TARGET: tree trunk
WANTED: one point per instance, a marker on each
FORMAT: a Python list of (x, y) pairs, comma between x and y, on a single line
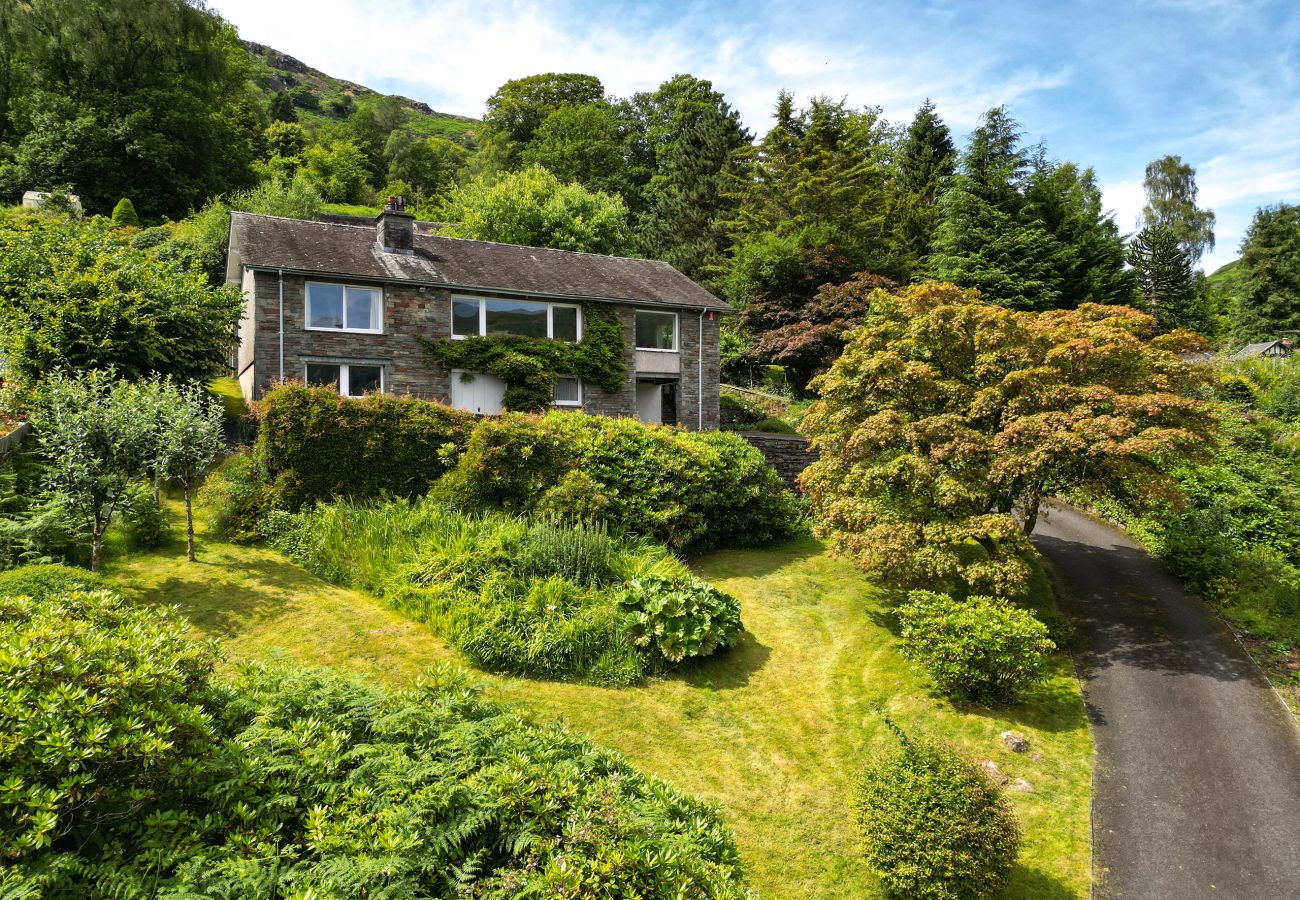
[(96, 538), (1032, 500), (157, 489), (189, 524)]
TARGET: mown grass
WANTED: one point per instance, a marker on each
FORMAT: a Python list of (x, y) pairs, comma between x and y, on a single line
[(231, 395), (775, 731)]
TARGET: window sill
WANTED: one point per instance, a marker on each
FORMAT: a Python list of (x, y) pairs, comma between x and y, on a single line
[(655, 350), (342, 330)]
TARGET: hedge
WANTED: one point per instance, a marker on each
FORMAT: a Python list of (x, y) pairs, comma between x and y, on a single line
[(686, 489), (315, 445)]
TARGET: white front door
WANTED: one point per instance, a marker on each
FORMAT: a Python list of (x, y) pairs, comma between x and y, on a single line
[(650, 403)]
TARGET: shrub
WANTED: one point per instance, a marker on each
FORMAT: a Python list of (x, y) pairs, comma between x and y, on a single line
[(145, 523), (980, 648), (933, 826), (235, 497), (315, 445), (739, 411), (131, 771), (687, 489), (677, 618), (540, 598), (124, 215), (46, 580), (102, 706)]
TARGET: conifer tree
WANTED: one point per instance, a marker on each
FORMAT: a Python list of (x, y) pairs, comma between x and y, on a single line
[(1270, 256), (926, 164), (1165, 279), (124, 214)]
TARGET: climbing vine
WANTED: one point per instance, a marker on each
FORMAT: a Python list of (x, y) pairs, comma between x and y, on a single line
[(529, 366)]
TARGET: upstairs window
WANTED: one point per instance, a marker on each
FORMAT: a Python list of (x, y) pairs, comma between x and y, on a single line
[(656, 330), (497, 316), (349, 379), (340, 307)]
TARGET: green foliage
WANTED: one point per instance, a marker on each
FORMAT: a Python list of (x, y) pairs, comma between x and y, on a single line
[(46, 580), (75, 295), (315, 445), (933, 826), (520, 106), (130, 768), (1170, 187), (236, 495), (103, 706), (124, 214), (1269, 302), (687, 489), (541, 598), (529, 366), (680, 618), (338, 172), (738, 410), (1026, 233), (977, 648), (145, 523), (947, 419), (1165, 279), (145, 99), (534, 208), (36, 526)]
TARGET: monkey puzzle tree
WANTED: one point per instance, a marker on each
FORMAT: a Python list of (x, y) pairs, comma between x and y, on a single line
[(948, 419)]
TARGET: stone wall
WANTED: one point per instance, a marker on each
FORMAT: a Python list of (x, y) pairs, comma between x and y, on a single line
[(412, 312), (787, 453)]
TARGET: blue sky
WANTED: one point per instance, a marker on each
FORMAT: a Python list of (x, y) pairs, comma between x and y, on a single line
[(1110, 85)]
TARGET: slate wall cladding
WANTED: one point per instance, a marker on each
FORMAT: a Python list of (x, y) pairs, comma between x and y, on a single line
[(787, 453), (411, 312)]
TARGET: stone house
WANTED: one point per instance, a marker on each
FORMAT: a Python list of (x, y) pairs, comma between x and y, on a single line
[(346, 304)]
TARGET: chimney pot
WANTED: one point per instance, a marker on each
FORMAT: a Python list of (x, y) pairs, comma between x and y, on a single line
[(395, 228)]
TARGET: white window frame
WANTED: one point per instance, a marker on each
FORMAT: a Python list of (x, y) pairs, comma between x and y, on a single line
[(677, 327), (343, 385), (306, 307), (577, 402), (482, 315)]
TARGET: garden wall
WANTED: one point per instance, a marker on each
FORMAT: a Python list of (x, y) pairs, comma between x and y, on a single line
[(14, 439), (787, 453)]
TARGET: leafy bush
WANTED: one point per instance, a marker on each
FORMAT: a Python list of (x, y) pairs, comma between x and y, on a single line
[(979, 648), (540, 598), (36, 526), (739, 411), (145, 523), (393, 446), (102, 705), (680, 617), (236, 496), (933, 826), (131, 771), (686, 489), (46, 580)]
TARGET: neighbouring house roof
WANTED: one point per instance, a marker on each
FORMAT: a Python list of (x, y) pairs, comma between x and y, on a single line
[(331, 249), (1263, 348)]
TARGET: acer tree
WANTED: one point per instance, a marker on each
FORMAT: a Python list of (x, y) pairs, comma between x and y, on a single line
[(948, 419)]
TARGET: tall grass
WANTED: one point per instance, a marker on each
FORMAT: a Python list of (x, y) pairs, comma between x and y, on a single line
[(515, 595)]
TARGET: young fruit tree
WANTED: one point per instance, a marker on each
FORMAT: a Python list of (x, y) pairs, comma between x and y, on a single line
[(189, 440), (95, 438), (947, 420)]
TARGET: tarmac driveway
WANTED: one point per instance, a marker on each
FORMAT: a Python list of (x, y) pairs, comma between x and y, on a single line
[(1197, 783)]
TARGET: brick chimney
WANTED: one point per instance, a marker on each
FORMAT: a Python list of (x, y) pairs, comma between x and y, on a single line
[(395, 227)]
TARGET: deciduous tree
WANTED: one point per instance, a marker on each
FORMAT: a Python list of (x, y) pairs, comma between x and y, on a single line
[(1170, 187), (948, 419)]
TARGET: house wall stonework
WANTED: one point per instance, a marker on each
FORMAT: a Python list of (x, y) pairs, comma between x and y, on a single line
[(412, 312)]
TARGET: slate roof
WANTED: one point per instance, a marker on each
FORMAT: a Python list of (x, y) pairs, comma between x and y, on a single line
[(1261, 349), (272, 242)]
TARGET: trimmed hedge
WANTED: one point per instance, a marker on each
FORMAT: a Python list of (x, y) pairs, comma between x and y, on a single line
[(315, 445), (686, 489), (933, 826)]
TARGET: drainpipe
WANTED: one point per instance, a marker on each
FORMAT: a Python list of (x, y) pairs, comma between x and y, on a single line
[(282, 326), (699, 377)]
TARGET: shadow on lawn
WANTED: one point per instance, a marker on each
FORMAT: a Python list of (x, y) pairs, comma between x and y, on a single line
[(1033, 884), (222, 606), (727, 670), (755, 562)]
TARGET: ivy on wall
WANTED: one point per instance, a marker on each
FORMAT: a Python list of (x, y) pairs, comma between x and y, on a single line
[(529, 366)]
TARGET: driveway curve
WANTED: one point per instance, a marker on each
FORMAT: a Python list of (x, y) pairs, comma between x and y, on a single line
[(1196, 791)]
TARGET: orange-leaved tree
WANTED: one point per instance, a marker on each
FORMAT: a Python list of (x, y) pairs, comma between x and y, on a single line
[(947, 420)]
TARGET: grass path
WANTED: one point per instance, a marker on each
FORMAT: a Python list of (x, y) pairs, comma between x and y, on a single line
[(774, 731)]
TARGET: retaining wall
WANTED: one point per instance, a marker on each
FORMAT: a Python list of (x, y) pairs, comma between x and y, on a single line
[(787, 453)]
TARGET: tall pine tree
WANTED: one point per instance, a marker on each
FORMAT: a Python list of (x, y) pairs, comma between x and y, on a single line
[(1270, 255), (926, 163)]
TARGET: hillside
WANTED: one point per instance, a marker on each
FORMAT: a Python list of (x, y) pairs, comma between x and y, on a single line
[(318, 97)]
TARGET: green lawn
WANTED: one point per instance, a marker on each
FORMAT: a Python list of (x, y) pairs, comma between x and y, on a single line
[(774, 731)]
